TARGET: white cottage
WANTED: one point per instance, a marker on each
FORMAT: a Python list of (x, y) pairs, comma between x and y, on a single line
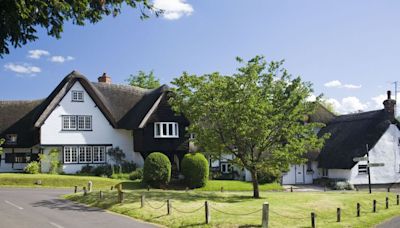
[(83, 120)]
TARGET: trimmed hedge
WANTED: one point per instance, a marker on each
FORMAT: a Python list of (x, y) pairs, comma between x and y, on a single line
[(157, 170), (195, 168)]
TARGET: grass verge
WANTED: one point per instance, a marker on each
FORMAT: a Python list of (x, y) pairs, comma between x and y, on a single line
[(228, 209)]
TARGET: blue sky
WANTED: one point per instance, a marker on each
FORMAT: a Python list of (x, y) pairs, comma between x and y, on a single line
[(349, 50)]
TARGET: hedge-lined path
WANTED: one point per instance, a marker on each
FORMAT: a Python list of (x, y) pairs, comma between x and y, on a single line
[(43, 208)]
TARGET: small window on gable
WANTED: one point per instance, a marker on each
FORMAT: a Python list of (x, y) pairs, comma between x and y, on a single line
[(11, 139), (77, 96), (362, 169), (166, 130)]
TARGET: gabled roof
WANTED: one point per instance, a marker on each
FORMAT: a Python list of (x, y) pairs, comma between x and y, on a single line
[(349, 136), (123, 106)]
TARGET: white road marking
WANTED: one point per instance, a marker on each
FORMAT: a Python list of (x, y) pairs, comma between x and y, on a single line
[(14, 205), (55, 225)]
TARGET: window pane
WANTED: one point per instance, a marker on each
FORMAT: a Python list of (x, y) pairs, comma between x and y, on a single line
[(164, 129), (102, 154), (88, 154), (72, 123), (81, 122), (157, 129), (81, 154), (96, 156), (176, 129), (65, 122), (170, 129), (88, 122)]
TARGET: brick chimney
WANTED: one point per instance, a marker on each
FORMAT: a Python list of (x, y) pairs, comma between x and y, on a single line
[(104, 78), (390, 106)]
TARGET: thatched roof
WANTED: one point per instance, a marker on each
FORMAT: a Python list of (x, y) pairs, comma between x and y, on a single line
[(123, 106), (349, 136)]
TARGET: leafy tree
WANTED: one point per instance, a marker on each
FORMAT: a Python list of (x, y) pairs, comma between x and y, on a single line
[(1, 143), (257, 114), (117, 155), (19, 19), (328, 105), (53, 159), (143, 80)]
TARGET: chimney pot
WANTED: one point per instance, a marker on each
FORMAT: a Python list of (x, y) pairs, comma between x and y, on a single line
[(390, 106), (389, 95), (104, 79)]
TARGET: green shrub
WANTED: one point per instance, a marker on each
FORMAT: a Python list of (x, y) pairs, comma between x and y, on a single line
[(86, 170), (32, 168), (103, 170), (195, 168), (53, 159), (268, 175), (136, 175), (157, 170)]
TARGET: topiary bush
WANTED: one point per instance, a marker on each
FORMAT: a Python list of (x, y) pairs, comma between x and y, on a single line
[(157, 170), (32, 168), (195, 168)]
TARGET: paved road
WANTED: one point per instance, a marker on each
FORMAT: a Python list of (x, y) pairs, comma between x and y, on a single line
[(42, 208), (393, 223)]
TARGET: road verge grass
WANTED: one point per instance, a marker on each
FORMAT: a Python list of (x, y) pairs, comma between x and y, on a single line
[(229, 209)]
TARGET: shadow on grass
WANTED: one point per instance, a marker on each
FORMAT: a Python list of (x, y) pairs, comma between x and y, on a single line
[(249, 226)]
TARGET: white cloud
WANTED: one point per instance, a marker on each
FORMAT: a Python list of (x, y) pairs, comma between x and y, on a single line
[(37, 53), (22, 68), (347, 105), (334, 83), (351, 86), (174, 9), (60, 59), (338, 84)]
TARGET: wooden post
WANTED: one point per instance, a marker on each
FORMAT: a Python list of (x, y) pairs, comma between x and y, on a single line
[(338, 214), (388, 189), (120, 196), (265, 216), (142, 201), (398, 199), (291, 188), (75, 189), (358, 209), (222, 189), (207, 210), (112, 187), (312, 220), (84, 191), (374, 206), (101, 196), (387, 202), (90, 186), (168, 207), (148, 187)]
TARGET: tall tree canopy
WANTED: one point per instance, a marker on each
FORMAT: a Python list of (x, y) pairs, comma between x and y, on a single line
[(257, 114), (19, 19), (144, 80)]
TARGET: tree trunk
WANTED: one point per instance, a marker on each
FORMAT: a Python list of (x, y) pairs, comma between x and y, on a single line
[(254, 177)]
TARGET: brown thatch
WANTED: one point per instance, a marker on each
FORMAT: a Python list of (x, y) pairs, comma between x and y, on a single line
[(349, 136)]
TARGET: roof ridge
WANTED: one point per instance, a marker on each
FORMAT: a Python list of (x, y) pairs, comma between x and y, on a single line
[(20, 101)]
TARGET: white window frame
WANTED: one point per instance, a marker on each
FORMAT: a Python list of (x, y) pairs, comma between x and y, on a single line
[(85, 154), (363, 169), (325, 172), (69, 156), (99, 154), (73, 122), (226, 168), (166, 130), (77, 96)]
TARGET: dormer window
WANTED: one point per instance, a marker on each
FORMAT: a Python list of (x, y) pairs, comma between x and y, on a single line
[(11, 139), (166, 130), (77, 96)]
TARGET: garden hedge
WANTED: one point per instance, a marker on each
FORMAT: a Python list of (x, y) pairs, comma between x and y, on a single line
[(195, 168), (157, 170)]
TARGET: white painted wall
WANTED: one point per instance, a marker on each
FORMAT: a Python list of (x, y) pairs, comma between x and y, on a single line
[(18, 167), (308, 177), (102, 131)]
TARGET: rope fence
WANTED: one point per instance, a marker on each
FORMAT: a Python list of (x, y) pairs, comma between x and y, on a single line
[(358, 211)]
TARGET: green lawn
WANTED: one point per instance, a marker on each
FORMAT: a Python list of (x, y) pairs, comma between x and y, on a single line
[(228, 185), (57, 181), (287, 209)]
